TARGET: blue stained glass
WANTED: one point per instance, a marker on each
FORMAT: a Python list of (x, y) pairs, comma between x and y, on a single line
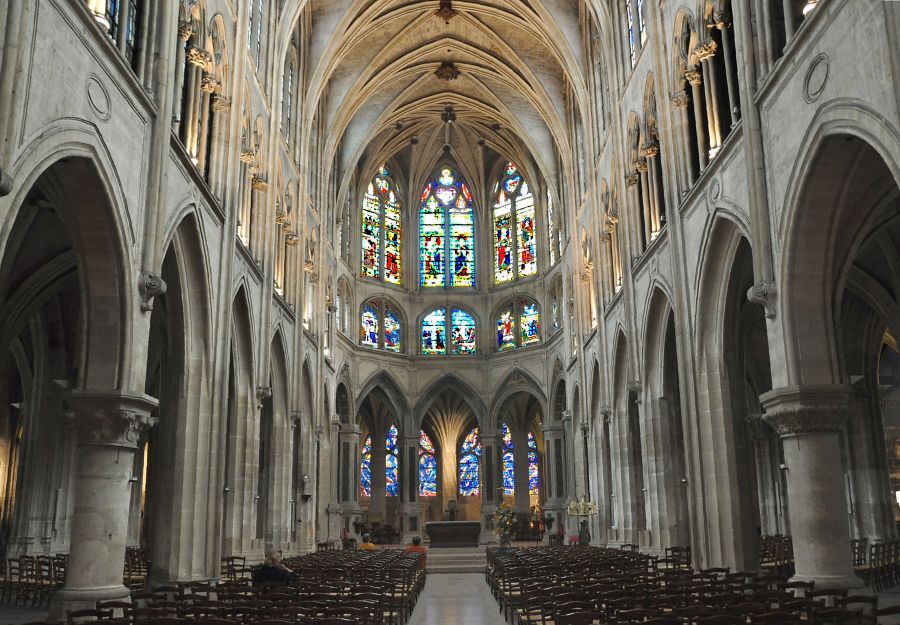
[(446, 233), (368, 332), (506, 333), (365, 469), (391, 330), (427, 466), (529, 323), (463, 332), (469, 459), (434, 333), (532, 465), (509, 465), (391, 466)]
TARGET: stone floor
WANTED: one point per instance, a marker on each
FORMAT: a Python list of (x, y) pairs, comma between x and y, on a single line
[(456, 599)]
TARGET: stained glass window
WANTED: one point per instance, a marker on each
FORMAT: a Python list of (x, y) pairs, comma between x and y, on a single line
[(434, 333), (509, 464), (391, 330), (551, 227), (446, 233), (515, 245), (518, 325), (629, 17), (369, 330), (529, 323), (469, 459), (532, 465), (376, 311), (458, 328), (381, 230), (365, 469), (463, 332), (506, 334), (391, 465), (427, 466)]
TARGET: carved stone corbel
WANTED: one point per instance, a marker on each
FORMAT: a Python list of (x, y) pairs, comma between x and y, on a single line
[(150, 287), (632, 179), (766, 295), (634, 386), (262, 394), (679, 98)]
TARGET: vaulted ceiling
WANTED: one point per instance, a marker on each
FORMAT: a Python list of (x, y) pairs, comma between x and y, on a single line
[(400, 80)]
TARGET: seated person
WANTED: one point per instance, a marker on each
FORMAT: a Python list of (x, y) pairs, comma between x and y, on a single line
[(416, 547), (367, 544), (273, 572)]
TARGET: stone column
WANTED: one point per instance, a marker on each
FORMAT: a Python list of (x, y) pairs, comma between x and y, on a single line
[(695, 78), (208, 86), (410, 513), (334, 509), (680, 101), (642, 168), (520, 469), (789, 28), (491, 486), (649, 151), (730, 78), (185, 30), (633, 200), (109, 425), (554, 478), (809, 420), (706, 52)]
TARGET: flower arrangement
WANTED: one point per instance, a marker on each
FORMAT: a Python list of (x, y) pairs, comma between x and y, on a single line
[(504, 521)]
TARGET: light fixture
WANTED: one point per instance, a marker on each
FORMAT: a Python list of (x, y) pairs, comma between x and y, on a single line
[(713, 152), (195, 160), (809, 7)]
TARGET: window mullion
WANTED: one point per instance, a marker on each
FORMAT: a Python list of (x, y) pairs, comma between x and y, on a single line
[(514, 231)]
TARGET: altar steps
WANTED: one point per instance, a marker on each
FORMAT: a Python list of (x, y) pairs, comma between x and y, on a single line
[(449, 560)]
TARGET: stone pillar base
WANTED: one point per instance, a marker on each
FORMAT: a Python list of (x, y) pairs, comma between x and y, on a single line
[(68, 599)]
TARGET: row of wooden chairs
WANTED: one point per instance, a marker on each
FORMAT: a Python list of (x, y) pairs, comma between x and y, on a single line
[(332, 588), (882, 569), (590, 586), (32, 579)]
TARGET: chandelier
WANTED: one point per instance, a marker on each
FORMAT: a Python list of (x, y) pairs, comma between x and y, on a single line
[(582, 507)]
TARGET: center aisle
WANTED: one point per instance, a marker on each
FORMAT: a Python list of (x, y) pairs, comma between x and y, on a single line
[(456, 599)]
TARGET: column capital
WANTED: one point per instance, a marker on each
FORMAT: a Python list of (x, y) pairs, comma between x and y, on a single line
[(679, 98), (185, 30), (759, 428), (220, 103), (706, 49), (110, 418), (632, 178), (198, 56), (566, 416), (650, 149), (641, 165), (794, 410), (694, 77)]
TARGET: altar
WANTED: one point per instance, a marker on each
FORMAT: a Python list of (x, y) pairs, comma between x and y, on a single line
[(453, 533)]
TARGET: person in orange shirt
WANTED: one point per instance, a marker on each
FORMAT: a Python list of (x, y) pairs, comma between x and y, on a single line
[(367, 544), (416, 547)]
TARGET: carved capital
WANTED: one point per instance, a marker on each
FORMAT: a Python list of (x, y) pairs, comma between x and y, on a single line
[(650, 149), (314, 277), (150, 287), (110, 418), (759, 428), (606, 235), (720, 20), (634, 386), (185, 30), (296, 416), (292, 239), (605, 412), (209, 83), (632, 179), (220, 103), (198, 56), (248, 156), (641, 165), (679, 98), (706, 49), (566, 415), (280, 216), (309, 266), (801, 410), (262, 394), (259, 183), (766, 295), (694, 76)]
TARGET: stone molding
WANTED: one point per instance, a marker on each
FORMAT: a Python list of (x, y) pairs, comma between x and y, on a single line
[(797, 410), (765, 294), (110, 418)]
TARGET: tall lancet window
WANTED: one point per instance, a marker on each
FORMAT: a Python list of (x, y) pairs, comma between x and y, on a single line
[(446, 233), (533, 488), (427, 466), (469, 460), (391, 464), (381, 230), (514, 228), (509, 463)]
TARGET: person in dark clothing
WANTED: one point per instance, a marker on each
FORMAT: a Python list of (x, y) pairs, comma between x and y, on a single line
[(273, 572)]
